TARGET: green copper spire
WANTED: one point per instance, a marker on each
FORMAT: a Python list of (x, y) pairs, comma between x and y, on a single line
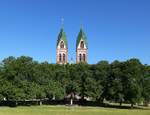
[(62, 36), (82, 36)]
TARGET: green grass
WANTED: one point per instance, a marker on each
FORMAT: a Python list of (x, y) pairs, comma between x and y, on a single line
[(64, 110)]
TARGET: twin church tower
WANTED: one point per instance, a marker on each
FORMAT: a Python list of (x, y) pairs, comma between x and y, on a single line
[(62, 48)]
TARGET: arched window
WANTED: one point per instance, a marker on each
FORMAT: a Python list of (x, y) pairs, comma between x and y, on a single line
[(82, 44), (80, 57), (84, 57), (60, 57), (64, 57), (61, 44)]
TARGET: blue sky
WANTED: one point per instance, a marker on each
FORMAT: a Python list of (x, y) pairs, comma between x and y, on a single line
[(116, 29)]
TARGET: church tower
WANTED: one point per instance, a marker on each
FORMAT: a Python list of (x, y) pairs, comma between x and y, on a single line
[(62, 48), (81, 47)]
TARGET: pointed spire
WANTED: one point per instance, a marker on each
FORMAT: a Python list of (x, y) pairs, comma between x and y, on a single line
[(62, 36), (81, 30), (81, 35)]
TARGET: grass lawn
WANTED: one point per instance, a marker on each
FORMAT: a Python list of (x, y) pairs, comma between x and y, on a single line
[(64, 110)]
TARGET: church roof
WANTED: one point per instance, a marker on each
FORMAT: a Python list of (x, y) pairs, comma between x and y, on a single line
[(82, 36), (62, 36)]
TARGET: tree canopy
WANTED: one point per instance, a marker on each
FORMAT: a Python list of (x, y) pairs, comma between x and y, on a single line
[(23, 78)]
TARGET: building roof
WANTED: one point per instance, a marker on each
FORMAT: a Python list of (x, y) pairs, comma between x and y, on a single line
[(82, 36), (62, 36)]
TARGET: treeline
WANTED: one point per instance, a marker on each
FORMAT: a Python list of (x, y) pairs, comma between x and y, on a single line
[(23, 78)]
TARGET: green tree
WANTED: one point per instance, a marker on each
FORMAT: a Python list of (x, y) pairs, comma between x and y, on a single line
[(146, 84), (132, 81), (101, 72), (114, 83)]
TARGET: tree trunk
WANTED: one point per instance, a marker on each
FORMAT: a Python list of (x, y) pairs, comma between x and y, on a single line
[(146, 103), (16, 103), (82, 100), (101, 100), (120, 103), (132, 106), (40, 102), (71, 101)]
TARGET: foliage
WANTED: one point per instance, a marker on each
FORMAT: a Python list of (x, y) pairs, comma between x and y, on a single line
[(23, 78)]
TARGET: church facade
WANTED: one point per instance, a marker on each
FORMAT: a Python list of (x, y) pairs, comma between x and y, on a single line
[(62, 48)]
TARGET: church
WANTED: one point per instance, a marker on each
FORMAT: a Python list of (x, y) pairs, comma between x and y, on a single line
[(62, 48)]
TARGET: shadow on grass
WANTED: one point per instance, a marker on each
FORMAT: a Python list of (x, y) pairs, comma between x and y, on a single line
[(67, 103)]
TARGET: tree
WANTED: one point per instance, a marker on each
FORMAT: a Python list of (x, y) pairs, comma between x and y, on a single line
[(114, 83), (54, 90), (132, 76), (146, 84), (100, 73), (23, 78), (10, 91), (86, 82)]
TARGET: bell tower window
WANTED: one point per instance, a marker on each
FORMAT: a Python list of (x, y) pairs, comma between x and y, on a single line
[(82, 44), (80, 57), (61, 44), (64, 57), (59, 57), (84, 57)]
